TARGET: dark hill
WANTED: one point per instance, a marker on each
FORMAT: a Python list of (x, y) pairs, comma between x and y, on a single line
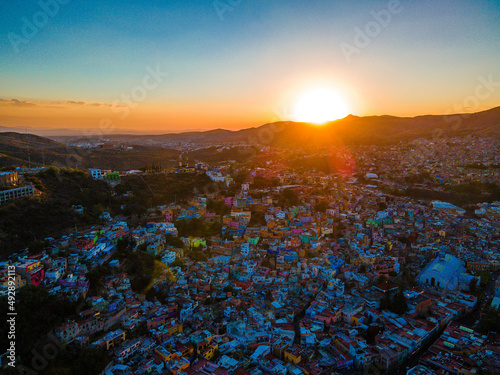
[(349, 130), (18, 149), (14, 147)]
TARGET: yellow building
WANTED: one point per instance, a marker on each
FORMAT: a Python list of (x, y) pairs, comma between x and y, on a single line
[(178, 366), (166, 355), (186, 350), (19, 282), (279, 348), (207, 349), (174, 326), (111, 339), (355, 319), (293, 355)]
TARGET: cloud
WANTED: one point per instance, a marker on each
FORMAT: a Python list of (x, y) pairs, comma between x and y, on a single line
[(91, 104), (17, 103), (64, 104), (76, 102)]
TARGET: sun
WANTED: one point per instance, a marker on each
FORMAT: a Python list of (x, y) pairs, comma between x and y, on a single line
[(320, 106)]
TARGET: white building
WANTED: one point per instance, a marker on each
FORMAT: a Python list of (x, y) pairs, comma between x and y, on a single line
[(7, 195), (445, 272)]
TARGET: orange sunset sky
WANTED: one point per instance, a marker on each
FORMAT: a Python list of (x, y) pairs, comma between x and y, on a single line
[(89, 66)]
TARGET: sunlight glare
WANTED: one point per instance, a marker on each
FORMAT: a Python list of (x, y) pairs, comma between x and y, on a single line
[(320, 106)]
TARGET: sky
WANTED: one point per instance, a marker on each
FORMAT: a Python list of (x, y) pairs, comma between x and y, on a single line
[(162, 66)]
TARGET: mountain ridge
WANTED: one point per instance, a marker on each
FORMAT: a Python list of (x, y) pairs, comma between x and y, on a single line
[(352, 129)]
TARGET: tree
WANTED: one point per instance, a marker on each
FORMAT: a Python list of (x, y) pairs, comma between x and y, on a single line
[(258, 218), (385, 302), (485, 278), (399, 305), (266, 263), (90, 361), (228, 288), (36, 247), (197, 255), (473, 289), (382, 206), (122, 244), (290, 197), (321, 206), (37, 313), (311, 254), (382, 279), (177, 263), (491, 320), (259, 182), (395, 303), (371, 334), (176, 242), (218, 207)]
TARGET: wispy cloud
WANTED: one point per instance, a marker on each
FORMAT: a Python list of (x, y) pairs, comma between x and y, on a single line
[(17, 103), (64, 104)]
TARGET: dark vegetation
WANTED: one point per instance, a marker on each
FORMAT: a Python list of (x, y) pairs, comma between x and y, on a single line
[(218, 207), (26, 222), (211, 155), (138, 266), (260, 182), (197, 228), (159, 189), (325, 164), (38, 313), (197, 255), (394, 302), (461, 195), (491, 320)]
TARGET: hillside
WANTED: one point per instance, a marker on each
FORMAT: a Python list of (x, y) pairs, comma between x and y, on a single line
[(27, 149), (23, 149), (20, 149), (25, 222), (349, 130)]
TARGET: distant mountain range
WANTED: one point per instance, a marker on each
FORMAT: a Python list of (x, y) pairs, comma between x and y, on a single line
[(64, 132), (19, 149), (349, 130)]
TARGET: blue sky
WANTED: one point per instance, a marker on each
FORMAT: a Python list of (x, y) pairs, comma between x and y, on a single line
[(263, 53)]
